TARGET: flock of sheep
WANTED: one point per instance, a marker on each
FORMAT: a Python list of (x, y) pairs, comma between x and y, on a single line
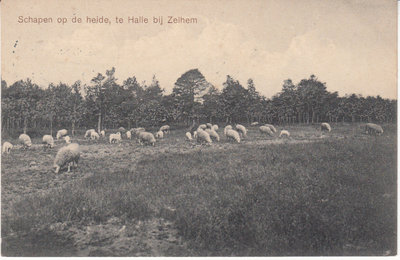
[(205, 133)]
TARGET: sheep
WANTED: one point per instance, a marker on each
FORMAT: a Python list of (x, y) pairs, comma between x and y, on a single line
[(25, 140), (88, 132), (271, 127), (232, 134), (115, 138), (165, 129), (48, 141), (195, 134), (94, 135), (203, 136), (61, 133), (146, 137), (67, 155), (213, 134), (284, 133), (7, 147), (228, 127), (128, 135), (136, 131), (266, 130), (103, 133), (160, 135), (121, 129), (325, 127), (215, 128), (67, 139), (375, 129), (254, 124), (241, 130), (189, 136), (202, 126), (209, 125)]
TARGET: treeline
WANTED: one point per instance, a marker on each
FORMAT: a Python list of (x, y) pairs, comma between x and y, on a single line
[(106, 104)]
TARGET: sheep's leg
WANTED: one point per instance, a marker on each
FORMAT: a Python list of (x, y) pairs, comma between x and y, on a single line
[(57, 169)]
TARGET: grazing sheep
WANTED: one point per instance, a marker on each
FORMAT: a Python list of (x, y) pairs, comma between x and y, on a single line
[(67, 139), (7, 147), (254, 124), (213, 134), (209, 125), (115, 138), (284, 133), (232, 135), (48, 141), (203, 136), (61, 133), (202, 126), (375, 129), (271, 127), (228, 127), (67, 155), (160, 135), (94, 135), (103, 133), (88, 133), (128, 135), (25, 140), (146, 137), (136, 131), (241, 130), (189, 136), (325, 127), (266, 130), (165, 129), (215, 128)]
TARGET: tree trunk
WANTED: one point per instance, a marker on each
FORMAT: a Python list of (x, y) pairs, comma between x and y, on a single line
[(73, 128), (51, 126), (25, 124), (99, 124)]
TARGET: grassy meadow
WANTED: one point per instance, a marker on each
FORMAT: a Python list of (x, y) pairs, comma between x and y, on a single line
[(313, 194)]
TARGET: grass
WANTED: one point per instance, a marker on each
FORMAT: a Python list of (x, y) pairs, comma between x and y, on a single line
[(334, 197)]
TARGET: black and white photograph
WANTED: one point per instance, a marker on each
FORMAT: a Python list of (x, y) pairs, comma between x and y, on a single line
[(199, 128)]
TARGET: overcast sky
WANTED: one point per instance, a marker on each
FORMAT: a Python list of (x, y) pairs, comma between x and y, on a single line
[(350, 44)]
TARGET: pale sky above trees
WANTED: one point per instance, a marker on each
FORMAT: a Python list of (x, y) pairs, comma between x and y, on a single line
[(350, 45)]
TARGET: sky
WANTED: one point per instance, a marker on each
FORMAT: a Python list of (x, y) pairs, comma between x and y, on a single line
[(349, 44)]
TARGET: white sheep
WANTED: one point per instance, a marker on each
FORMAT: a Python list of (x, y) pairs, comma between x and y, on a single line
[(213, 134), (228, 127), (7, 146), (103, 133), (48, 141), (241, 130), (88, 132), (189, 136), (195, 134), (284, 133), (215, 127), (94, 135), (203, 136), (67, 155), (375, 129), (61, 133), (160, 135), (254, 124), (136, 131), (165, 129), (202, 126), (232, 135), (266, 130), (271, 127), (115, 138), (128, 135), (325, 127), (25, 140), (67, 139), (209, 125), (146, 137)]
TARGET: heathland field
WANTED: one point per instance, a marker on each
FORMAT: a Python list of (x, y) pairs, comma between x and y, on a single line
[(313, 194)]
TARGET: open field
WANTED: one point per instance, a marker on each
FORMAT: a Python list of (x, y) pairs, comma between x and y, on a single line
[(312, 194)]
